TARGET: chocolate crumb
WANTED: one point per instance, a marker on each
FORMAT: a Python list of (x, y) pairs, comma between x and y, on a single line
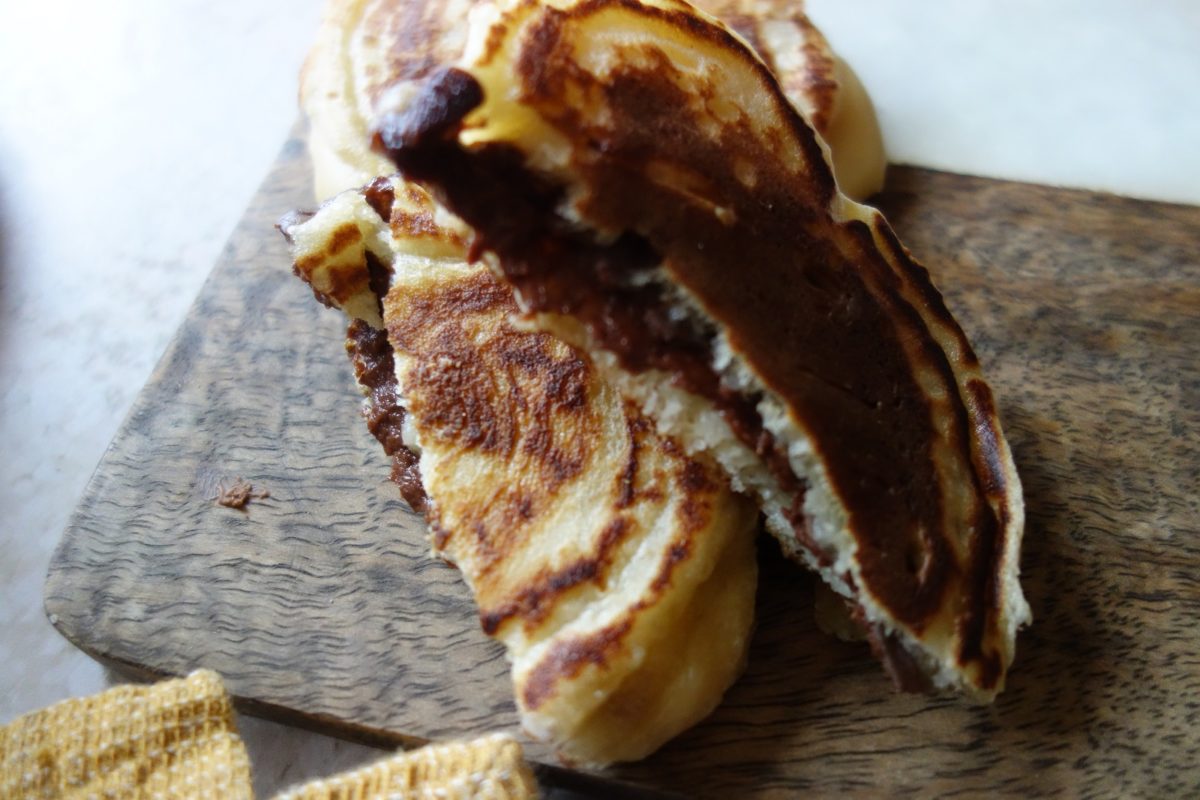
[(239, 494)]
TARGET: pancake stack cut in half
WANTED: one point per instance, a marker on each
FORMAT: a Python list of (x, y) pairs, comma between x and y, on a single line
[(372, 54), (639, 177), (618, 571)]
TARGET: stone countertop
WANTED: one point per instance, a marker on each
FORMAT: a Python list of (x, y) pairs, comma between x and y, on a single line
[(132, 136)]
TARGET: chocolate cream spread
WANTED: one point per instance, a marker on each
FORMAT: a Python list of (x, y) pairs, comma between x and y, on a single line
[(375, 369)]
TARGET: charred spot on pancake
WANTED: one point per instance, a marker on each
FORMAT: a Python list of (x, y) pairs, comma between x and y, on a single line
[(460, 402), (416, 218), (988, 438), (342, 237), (678, 553), (987, 548), (502, 393), (414, 32), (819, 68), (449, 95), (696, 487), (321, 297), (567, 658), (425, 311), (475, 384), (546, 588), (635, 427), (342, 283)]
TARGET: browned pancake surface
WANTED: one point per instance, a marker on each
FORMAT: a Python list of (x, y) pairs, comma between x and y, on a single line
[(618, 571)]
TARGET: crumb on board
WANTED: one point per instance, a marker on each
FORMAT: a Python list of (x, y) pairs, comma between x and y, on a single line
[(239, 494)]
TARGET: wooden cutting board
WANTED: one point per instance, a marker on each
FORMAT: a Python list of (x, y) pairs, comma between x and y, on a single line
[(321, 605)]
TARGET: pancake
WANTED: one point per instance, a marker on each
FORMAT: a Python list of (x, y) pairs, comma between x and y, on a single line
[(640, 178), (618, 571), (369, 52)]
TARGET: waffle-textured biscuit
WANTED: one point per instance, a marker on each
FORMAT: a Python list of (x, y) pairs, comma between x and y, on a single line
[(642, 181), (174, 739), (370, 52), (618, 571), (489, 768)]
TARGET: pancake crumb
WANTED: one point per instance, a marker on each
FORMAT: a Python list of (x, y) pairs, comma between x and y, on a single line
[(239, 494)]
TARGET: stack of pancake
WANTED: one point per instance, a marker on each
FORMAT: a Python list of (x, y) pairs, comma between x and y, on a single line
[(613, 307)]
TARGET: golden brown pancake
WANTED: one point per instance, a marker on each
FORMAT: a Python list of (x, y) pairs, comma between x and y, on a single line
[(369, 53), (618, 571), (639, 177)]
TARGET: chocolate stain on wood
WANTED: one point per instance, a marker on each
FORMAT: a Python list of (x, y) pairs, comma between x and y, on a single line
[(327, 610)]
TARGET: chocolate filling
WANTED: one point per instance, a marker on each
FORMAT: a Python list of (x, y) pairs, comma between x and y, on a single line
[(375, 369), (380, 196)]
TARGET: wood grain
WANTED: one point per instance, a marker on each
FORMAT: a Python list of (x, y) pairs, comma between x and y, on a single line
[(321, 605)]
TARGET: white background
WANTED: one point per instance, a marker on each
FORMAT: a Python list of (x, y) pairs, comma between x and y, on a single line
[(133, 133)]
